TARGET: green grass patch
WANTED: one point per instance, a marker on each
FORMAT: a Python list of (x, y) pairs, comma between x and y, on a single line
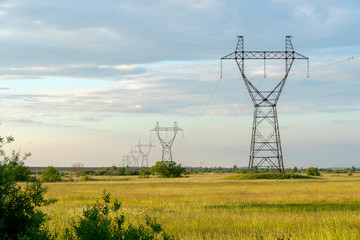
[(268, 176)]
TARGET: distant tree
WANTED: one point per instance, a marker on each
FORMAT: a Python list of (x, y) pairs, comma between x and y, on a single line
[(294, 170), (77, 168), (352, 169), (311, 171), (105, 171), (144, 172), (120, 171), (85, 172), (50, 174), (167, 169), (127, 171), (112, 171)]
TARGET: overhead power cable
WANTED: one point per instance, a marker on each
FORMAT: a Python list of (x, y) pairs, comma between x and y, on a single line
[(303, 81), (203, 110)]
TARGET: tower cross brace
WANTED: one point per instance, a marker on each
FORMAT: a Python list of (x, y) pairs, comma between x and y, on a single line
[(166, 144), (265, 148)]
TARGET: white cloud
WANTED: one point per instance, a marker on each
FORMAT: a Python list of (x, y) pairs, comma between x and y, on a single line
[(120, 67)]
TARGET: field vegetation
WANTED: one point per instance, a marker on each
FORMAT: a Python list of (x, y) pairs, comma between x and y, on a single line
[(218, 206)]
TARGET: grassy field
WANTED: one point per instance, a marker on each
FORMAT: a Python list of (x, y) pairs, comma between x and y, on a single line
[(209, 206)]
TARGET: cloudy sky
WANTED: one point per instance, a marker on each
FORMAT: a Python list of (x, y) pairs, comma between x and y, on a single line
[(85, 81)]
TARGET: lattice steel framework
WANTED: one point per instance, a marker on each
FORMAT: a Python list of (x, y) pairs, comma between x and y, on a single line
[(265, 149), (166, 144), (127, 161), (144, 150), (135, 158)]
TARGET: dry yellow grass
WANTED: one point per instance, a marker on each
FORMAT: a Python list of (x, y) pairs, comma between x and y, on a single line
[(207, 206)]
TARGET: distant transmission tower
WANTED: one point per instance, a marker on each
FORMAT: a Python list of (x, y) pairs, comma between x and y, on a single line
[(135, 157), (144, 153), (265, 149), (166, 144), (127, 161)]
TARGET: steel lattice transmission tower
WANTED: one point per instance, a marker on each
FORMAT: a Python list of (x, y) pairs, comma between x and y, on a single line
[(145, 153), (166, 144), (135, 157), (265, 149), (127, 161)]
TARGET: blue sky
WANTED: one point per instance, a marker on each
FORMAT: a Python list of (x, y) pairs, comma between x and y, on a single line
[(85, 81)]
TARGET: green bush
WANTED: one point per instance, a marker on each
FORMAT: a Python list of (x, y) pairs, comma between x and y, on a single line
[(127, 172), (19, 216), (15, 165), (167, 169), (294, 170), (144, 172), (86, 178), (50, 174), (103, 221), (312, 171)]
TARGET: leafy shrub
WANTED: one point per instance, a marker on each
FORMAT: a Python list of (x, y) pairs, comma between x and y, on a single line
[(167, 169), (312, 171), (86, 178), (127, 171), (15, 165), (19, 216), (114, 171), (96, 223), (294, 170), (144, 173), (50, 174)]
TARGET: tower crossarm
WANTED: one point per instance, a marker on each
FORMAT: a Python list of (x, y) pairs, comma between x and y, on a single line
[(289, 55), (259, 55), (135, 154), (174, 129), (141, 147), (157, 128)]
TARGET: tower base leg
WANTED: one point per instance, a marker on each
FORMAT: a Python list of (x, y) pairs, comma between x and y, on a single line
[(265, 148)]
